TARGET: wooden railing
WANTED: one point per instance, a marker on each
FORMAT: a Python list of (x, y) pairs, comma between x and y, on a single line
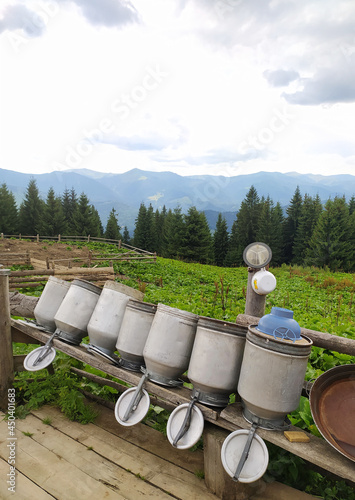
[(132, 254), (218, 423)]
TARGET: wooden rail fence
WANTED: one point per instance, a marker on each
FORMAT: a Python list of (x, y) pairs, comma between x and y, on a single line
[(131, 253)]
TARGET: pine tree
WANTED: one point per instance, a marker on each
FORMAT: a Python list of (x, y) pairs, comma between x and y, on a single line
[(270, 229), (53, 221), (352, 205), (70, 204), (173, 233), (291, 224), (159, 223), (139, 237), (126, 237), (265, 227), (8, 212), (112, 228), (150, 231), (220, 241), (232, 257), (245, 227), (31, 211), (277, 243), (96, 227), (310, 212), (330, 244), (197, 240), (86, 220)]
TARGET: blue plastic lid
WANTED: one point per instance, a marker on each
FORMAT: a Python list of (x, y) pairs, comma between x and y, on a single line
[(280, 324)]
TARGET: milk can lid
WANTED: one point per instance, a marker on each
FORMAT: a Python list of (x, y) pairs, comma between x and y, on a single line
[(194, 431), (31, 358), (257, 461), (137, 415)]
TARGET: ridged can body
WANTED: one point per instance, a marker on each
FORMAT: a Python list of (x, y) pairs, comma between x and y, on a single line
[(76, 309), (106, 319), (134, 330), (52, 296), (216, 359), (169, 344), (272, 375)]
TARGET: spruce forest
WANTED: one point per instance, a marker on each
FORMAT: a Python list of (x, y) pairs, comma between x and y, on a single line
[(307, 232)]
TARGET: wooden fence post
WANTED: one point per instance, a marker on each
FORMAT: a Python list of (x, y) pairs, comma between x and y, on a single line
[(2, 236), (119, 244), (216, 478), (254, 303), (89, 238), (6, 355), (58, 237), (37, 238)]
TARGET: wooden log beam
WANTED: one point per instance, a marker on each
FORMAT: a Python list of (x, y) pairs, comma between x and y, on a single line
[(22, 305), (25, 279), (320, 339), (59, 272), (6, 357), (254, 303)]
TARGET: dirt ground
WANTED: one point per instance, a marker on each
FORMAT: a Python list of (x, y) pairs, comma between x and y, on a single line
[(42, 250)]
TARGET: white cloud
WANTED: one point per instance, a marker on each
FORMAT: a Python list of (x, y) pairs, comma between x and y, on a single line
[(239, 85)]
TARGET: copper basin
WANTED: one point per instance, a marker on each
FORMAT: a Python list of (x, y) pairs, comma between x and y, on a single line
[(332, 401)]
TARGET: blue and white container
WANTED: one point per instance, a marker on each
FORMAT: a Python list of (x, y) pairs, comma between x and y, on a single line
[(273, 369)]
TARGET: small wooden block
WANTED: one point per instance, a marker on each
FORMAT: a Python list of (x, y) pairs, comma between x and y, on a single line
[(297, 436)]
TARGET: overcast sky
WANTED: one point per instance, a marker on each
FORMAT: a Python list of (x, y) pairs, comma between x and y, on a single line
[(221, 87)]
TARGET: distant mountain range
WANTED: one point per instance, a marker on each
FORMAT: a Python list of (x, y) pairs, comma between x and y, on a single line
[(213, 194)]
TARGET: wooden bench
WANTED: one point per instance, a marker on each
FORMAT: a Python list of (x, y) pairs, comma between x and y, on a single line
[(219, 423)]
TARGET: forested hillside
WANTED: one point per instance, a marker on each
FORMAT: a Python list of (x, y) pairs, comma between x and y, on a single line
[(307, 233)]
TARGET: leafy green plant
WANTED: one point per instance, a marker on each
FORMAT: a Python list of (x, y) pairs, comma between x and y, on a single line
[(302, 417), (157, 418), (293, 471), (60, 388)]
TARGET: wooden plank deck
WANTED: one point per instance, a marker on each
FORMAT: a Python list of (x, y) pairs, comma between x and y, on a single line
[(69, 461)]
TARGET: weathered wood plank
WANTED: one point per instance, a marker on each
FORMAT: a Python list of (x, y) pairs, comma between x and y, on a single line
[(151, 440), (320, 339), (158, 472), (24, 488), (90, 462), (21, 337), (53, 474)]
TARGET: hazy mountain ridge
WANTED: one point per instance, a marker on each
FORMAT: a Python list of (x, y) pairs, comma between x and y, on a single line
[(213, 194)]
